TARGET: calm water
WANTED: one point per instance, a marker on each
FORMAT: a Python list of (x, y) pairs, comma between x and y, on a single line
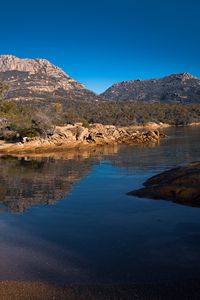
[(70, 220)]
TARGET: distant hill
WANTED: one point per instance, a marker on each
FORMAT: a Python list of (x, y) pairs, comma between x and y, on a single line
[(180, 88), (38, 79)]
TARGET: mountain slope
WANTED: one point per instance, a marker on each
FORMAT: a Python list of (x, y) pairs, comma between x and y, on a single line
[(183, 88), (38, 79)]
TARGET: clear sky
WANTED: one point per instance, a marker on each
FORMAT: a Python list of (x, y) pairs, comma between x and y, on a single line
[(100, 42)]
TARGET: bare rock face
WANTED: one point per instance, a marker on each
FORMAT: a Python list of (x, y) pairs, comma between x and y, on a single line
[(71, 136), (180, 185), (180, 88), (31, 79)]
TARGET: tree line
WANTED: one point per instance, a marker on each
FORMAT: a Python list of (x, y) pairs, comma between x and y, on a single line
[(19, 119)]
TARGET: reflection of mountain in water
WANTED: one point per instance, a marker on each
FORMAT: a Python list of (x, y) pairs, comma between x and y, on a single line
[(24, 183)]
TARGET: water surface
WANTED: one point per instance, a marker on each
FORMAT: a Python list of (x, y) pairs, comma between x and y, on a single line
[(69, 220)]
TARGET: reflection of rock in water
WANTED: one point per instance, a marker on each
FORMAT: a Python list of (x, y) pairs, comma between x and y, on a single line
[(24, 183)]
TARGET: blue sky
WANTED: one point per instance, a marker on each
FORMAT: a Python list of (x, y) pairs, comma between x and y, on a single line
[(102, 42)]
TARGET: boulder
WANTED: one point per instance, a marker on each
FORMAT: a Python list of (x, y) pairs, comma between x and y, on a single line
[(82, 133), (180, 185), (67, 133), (97, 132)]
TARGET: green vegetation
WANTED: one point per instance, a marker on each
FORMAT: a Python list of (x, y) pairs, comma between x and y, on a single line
[(124, 113), (18, 121), (29, 119)]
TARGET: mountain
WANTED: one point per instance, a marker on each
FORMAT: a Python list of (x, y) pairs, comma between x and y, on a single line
[(38, 79), (183, 88)]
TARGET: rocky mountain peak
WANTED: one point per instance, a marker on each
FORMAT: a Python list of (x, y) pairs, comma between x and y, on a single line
[(31, 79), (183, 76), (32, 66)]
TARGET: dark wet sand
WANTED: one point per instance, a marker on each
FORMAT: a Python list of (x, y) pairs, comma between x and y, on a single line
[(10, 290)]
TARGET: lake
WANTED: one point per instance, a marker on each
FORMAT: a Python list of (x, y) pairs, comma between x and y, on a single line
[(67, 219)]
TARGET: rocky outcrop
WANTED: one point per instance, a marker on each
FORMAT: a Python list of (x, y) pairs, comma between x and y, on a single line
[(76, 135), (38, 79), (181, 88), (101, 134), (180, 185)]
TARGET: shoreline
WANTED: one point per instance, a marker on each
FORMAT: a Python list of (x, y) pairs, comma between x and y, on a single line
[(74, 138), (77, 137)]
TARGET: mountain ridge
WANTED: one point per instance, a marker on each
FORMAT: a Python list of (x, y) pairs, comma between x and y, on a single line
[(181, 87), (36, 80)]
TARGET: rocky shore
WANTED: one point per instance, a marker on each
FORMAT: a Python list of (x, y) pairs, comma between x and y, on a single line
[(180, 185), (75, 136)]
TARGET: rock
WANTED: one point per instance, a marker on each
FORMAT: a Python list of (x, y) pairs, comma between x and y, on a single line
[(152, 135), (82, 133), (116, 134), (128, 136), (194, 124), (180, 185), (105, 134), (153, 125), (77, 135), (97, 132), (78, 124), (68, 133), (39, 79)]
